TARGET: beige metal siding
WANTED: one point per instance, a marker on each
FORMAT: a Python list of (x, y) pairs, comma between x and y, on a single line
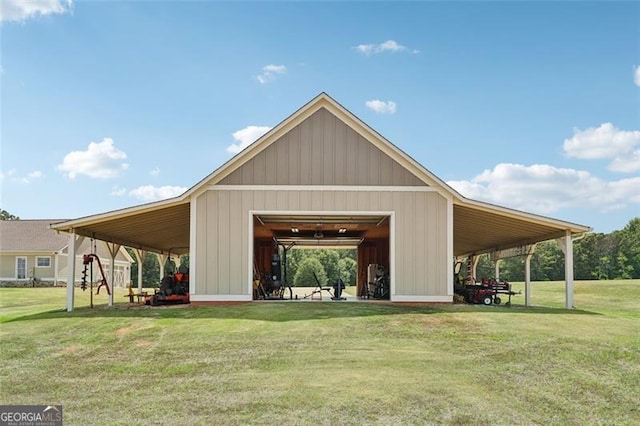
[(322, 150), (222, 234)]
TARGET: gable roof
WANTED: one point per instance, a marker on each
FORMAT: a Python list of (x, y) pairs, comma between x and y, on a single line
[(164, 225), (322, 101), (30, 236), (36, 236)]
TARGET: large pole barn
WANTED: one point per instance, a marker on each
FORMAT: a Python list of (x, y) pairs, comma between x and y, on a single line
[(323, 177)]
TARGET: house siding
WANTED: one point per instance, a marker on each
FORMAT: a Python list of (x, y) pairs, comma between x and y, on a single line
[(223, 221), (322, 150)]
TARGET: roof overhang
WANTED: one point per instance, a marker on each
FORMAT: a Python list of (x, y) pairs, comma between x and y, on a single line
[(483, 228), (161, 227)]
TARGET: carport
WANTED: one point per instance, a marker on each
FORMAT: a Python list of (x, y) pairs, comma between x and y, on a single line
[(478, 228)]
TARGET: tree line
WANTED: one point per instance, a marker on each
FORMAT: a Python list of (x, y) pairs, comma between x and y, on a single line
[(596, 256)]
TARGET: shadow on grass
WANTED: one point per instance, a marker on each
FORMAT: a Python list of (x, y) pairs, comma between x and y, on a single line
[(287, 311)]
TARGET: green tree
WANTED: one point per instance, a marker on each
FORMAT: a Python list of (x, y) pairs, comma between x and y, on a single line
[(348, 268), (150, 270), (304, 275), (5, 215)]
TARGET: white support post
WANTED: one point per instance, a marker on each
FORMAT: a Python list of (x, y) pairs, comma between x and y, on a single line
[(71, 270), (497, 272), (568, 270), (113, 251), (475, 261), (527, 280), (162, 259), (56, 266), (140, 254), (566, 244)]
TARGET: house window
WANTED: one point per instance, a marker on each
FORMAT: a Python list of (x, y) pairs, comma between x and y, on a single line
[(21, 268), (43, 262)]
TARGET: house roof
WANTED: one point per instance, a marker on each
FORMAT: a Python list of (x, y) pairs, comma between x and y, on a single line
[(164, 225), (36, 236), (31, 236)]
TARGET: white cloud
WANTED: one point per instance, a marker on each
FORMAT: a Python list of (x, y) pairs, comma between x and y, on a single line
[(26, 179), (381, 107), (155, 172), (269, 73), (606, 142), (155, 193), (101, 160), (545, 189), (246, 137), (21, 10), (636, 75), (387, 46), (627, 164), (118, 191)]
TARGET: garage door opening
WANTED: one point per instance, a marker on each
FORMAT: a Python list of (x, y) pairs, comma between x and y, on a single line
[(278, 239)]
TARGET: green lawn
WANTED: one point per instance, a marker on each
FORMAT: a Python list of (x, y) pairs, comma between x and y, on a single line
[(328, 362)]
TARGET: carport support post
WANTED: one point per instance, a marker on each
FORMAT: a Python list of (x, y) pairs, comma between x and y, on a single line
[(74, 242), (113, 251), (566, 244), (475, 260), (497, 273), (527, 280), (140, 255), (71, 270)]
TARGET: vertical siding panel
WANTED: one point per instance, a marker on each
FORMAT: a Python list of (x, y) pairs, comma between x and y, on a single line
[(402, 259), (282, 160), (212, 259), (305, 152), (416, 261), (374, 165), (328, 142), (441, 247), (247, 204), (386, 172), (352, 201), (294, 157), (281, 199), (235, 243), (247, 174), (202, 237), (328, 200), (340, 200), (294, 200), (363, 201), (352, 159), (363, 161), (305, 200), (259, 166), (374, 201), (423, 263), (340, 153), (271, 201), (224, 264), (271, 162), (317, 154), (259, 200), (316, 200)]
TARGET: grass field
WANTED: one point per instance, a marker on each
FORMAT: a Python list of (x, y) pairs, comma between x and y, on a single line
[(328, 362)]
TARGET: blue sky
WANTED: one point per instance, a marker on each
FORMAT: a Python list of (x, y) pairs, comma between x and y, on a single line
[(530, 105)]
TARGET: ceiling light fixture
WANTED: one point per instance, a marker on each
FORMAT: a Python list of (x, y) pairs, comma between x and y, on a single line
[(342, 230), (295, 230), (318, 234)]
